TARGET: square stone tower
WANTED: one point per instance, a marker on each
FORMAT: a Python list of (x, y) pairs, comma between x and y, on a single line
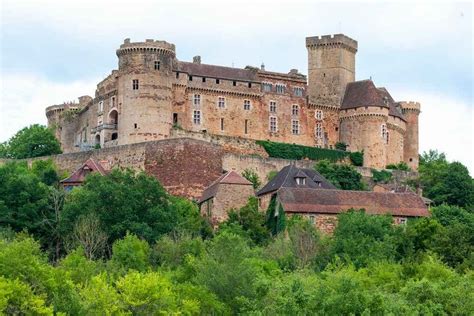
[(331, 65)]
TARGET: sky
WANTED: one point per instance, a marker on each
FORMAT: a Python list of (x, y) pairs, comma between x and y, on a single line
[(54, 51)]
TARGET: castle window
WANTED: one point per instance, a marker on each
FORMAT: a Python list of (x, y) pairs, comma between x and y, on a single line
[(318, 114), (234, 83), (273, 107), (312, 219), (135, 84), (246, 126), (197, 99), (387, 138), (383, 131), (295, 127), (300, 181), (113, 102), (337, 128), (222, 124), (157, 65), (190, 78), (298, 91), (295, 109), (218, 81), (280, 88), (319, 131), (402, 220), (203, 79), (221, 102), (197, 117), (246, 104), (250, 85), (273, 124), (175, 118), (101, 107), (267, 87), (177, 75), (135, 125)]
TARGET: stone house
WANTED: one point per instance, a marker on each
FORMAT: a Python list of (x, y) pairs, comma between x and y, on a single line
[(229, 191), (321, 203)]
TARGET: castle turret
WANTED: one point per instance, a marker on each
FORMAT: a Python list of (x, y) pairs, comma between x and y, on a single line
[(144, 84), (331, 65), (411, 111)]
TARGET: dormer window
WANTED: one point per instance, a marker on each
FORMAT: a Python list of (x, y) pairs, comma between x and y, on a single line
[(318, 183), (300, 180)]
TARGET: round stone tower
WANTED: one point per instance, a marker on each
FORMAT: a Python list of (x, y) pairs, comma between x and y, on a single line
[(411, 111), (144, 90)]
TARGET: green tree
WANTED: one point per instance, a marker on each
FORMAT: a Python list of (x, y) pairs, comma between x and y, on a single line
[(17, 298), (33, 141), (123, 202), (445, 182), (130, 253), (275, 217), (343, 176), (252, 176)]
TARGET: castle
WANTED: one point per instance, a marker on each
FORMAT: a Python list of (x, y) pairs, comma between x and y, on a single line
[(152, 93)]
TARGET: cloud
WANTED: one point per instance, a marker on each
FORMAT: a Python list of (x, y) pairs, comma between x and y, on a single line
[(24, 98), (446, 124)]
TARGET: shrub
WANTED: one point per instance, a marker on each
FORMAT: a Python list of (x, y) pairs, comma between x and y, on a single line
[(344, 177), (399, 166), (252, 176), (297, 152), (341, 146), (382, 176), (357, 158)]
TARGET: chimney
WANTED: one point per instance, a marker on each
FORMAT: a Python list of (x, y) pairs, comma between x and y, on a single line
[(262, 67), (126, 41), (197, 60)]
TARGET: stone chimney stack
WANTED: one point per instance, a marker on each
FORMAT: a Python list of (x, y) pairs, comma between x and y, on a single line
[(262, 67), (197, 60)]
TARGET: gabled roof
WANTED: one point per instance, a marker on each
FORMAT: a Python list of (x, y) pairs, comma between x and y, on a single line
[(214, 71), (308, 200), (230, 177), (286, 179), (80, 174), (394, 107), (362, 93)]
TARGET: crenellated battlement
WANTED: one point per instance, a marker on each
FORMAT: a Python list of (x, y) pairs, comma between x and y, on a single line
[(329, 41), (410, 106), (149, 45)]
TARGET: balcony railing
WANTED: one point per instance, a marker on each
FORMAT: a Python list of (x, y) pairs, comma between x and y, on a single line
[(98, 128)]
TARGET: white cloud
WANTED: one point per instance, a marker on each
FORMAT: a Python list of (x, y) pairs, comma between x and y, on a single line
[(446, 124), (24, 98)]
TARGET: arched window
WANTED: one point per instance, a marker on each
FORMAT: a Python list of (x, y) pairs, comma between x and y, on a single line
[(97, 140), (113, 117)]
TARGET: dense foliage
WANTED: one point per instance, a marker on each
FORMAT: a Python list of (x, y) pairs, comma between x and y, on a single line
[(381, 176), (33, 141), (252, 176), (343, 176), (399, 166), (296, 152), (121, 245), (357, 158), (445, 182)]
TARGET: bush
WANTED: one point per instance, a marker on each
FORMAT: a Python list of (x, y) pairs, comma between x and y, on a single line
[(298, 152), (341, 146), (382, 176), (357, 158), (399, 166), (343, 176)]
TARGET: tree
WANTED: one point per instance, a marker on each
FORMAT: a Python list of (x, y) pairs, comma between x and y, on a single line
[(252, 176), (343, 176), (33, 141), (89, 235), (123, 201), (130, 253), (275, 217), (445, 182)]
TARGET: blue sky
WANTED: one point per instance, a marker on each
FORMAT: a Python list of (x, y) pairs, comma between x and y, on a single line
[(54, 51)]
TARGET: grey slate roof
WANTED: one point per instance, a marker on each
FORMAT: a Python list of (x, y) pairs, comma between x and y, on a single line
[(286, 179), (214, 71)]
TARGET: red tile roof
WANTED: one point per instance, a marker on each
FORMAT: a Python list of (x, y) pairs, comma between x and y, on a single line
[(230, 177), (307, 200), (80, 174)]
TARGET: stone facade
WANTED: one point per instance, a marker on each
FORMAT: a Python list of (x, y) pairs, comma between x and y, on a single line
[(152, 93)]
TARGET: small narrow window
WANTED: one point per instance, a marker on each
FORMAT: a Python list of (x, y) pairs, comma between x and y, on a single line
[(101, 106), (221, 102), (273, 107), (203, 79), (273, 124), (295, 127), (234, 83), (135, 125), (190, 78), (218, 81), (319, 131), (113, 101), (157, 65), (318, 114), (222, 124), (135, 84), (246, 126), (295, 109), (250, 85), (197, 117), (197, 100), (177, 75), (312, 219), (247, 105), (175, 118)]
